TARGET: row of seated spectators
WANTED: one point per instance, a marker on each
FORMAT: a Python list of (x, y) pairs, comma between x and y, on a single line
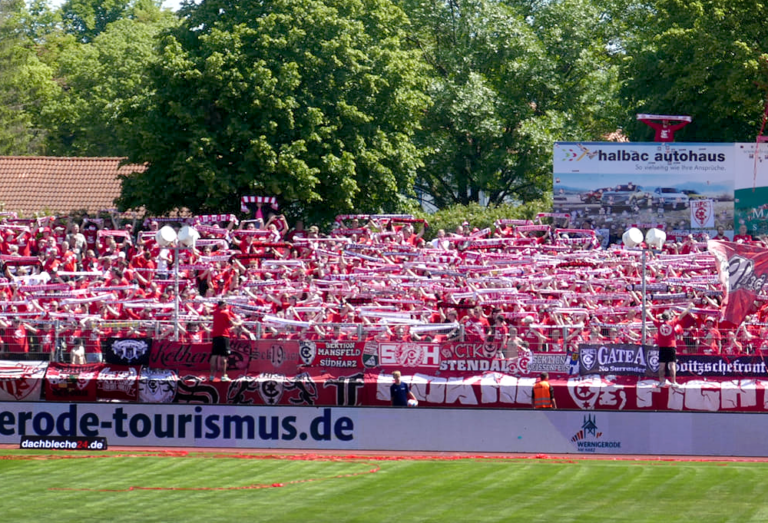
[(523, 285)]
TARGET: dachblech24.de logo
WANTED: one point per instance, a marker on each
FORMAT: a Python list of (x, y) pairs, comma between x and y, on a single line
[(590, 438)]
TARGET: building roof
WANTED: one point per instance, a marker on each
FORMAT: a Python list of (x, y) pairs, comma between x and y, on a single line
[(30, 184)]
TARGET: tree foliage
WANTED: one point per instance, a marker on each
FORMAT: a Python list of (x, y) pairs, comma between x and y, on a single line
[(508, 79), (340, 106), (86, 19), (105, 80), (703, 58), (480, 216), (313, 101), (26, 84)]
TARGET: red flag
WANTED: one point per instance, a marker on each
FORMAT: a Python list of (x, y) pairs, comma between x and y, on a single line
[(743, 270)]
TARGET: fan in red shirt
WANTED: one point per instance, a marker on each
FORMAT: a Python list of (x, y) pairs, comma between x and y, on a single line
[(667, 329), (732, 346), (14, 337), (531, 335), (743, 236), (223, 321), (90, 230), (710, 339), (665, 131), (475, 325), (499, 332)]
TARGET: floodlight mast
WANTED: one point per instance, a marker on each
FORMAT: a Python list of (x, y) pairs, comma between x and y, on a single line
[(654, 238), (186, 238)]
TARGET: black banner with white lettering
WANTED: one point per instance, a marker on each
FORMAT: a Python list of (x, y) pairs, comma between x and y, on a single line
[(635, 360), (619, 359), (723, 366), (127, 351)]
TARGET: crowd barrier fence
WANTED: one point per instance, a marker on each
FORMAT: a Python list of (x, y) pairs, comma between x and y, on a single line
[(54, 340)]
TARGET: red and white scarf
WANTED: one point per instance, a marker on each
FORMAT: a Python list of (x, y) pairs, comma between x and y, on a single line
[(245, 200)]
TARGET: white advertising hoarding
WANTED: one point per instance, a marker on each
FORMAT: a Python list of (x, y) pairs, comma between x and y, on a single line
[(393, 429)]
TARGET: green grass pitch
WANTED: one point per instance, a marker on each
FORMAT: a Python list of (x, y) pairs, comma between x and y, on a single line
[(210, 487)]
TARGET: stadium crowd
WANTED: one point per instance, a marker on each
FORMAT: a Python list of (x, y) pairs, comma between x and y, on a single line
[(523, 285)]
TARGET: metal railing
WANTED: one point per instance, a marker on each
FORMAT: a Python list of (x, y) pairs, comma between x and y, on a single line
[(54, 340)]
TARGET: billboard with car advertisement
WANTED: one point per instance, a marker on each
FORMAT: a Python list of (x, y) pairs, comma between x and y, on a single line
[(612, 186)]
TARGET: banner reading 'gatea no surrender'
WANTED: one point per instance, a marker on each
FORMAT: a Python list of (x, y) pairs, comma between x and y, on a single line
[(622, 359), (636, 360)]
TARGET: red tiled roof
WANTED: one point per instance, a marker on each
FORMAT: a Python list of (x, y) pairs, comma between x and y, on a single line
[(30, 184)]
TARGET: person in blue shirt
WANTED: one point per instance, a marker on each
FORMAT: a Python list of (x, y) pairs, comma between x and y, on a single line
[(400, 391)]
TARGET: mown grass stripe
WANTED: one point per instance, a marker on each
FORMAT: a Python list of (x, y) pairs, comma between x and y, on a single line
[(405, 490)]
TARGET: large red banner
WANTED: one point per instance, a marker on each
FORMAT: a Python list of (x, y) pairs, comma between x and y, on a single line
[(276, 356), (196, 357), (71, 382), (357, 387), (743, 270), (118, 383), (93, 382)]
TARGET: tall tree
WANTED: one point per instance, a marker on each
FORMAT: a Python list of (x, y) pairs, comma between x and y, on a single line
[(25, 84), (703, 58), (509, 78), (313, 101), (105, 79)]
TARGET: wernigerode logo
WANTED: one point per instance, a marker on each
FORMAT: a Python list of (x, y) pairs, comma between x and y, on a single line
[(590, 439)]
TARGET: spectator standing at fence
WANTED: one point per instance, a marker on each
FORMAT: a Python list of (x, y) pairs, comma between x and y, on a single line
[(77, 355), (475, 325), (743, 236), (732, 346), (721, 234), (223, 321), (710, 339), (77, 237), (14, 337), (515, 346), (667, 329), (532, 335), (400, 391), (499, 333), (543, 393)]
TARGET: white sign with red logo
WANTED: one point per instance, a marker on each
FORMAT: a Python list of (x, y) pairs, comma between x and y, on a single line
[(21, 380), (409, 354), (702, 214)]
